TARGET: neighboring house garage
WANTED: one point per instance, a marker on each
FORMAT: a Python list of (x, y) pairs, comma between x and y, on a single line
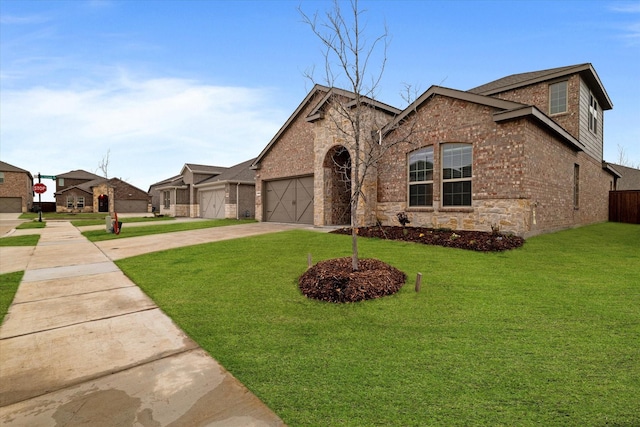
[(10, 204), (289, 200), (212, 203), (16, 189), (230, 194)]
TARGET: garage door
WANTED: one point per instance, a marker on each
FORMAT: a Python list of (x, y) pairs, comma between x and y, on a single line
[(131, 206), (289, 200), (10, 204), (212, 204)]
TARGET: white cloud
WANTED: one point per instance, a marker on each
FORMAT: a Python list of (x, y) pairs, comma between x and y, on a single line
[(151, 127)]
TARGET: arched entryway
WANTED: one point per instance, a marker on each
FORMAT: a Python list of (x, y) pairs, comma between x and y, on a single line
[(337, 167)]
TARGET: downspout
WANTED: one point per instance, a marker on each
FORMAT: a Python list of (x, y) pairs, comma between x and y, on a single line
[(237, 200)]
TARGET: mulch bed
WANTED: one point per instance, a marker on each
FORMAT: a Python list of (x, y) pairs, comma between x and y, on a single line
[(472, 240), (335, 281)]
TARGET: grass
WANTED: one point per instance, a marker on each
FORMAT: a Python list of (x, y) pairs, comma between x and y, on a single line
[(548, 334), (28, 240), (31, 224), (100, 235), (8, 286), (126, 220), (64, 215)]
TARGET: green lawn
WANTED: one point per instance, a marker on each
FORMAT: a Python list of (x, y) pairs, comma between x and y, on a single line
[(28, 240), (126, 220), (99, 235), (31, 225), (546, 335), (8, 286)]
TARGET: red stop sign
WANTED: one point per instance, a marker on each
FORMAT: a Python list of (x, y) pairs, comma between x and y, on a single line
[(39, 188)]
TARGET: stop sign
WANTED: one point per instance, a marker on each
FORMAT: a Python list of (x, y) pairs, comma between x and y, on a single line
[(39, 188)]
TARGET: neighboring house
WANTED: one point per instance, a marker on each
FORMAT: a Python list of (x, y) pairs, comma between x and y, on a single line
[(177, 196), (229, 195), (16, 189), (81, 191), (522, 154), (629, 177)]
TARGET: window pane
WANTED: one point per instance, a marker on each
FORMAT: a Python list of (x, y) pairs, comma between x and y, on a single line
[(558, 98), (456, 161), (421, 195), (421, 165), (456, 193)]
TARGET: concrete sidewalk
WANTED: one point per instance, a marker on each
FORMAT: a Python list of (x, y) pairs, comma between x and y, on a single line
[(83, 345)]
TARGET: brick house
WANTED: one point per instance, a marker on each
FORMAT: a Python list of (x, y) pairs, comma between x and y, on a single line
[(81, 191), (16, 189), (230, 194), (177, 196), (522, 154), (204, 191)]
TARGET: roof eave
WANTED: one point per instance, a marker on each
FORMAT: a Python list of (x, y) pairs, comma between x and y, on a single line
[(533, 112)]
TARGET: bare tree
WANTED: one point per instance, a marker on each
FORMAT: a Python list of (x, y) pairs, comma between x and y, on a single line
[(104, 164), (357, 63), (623, 159)]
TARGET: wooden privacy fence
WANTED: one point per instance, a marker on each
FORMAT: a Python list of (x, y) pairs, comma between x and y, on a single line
[(624, 206)]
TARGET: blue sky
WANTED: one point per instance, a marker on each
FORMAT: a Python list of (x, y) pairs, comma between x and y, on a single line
[(158, 84)]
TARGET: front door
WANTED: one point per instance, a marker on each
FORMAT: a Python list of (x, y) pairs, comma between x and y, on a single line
[(103, 203)]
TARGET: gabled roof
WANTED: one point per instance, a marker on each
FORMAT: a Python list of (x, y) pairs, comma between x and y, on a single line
[(6, 167), (515, 81), (165, 181), (317, 112), (240, 173), (79, 174), (312, 93), (457, 94), (206, 169), (508, 110), (88, 186)]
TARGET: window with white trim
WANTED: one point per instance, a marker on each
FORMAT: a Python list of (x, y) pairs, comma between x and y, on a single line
[(166, 196), (456, 174), (70, 202), (558, 98), (1, 177), (80, 202), (593, 113), (421, 177)]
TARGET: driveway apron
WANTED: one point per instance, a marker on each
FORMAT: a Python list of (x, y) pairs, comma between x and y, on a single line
[(83, 345)]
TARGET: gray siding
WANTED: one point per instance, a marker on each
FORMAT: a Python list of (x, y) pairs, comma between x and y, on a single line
[(592, 142)]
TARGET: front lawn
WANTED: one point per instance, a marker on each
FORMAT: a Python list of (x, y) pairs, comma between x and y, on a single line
[(548, 334), (27, 240), (100, 235), (8, 286)]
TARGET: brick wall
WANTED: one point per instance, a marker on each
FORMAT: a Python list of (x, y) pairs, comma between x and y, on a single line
[(538, 95), (292, 154), (18, 184), (522, 175)]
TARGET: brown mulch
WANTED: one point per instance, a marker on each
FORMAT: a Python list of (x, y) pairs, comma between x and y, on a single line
[(461, 239), (335, 281)]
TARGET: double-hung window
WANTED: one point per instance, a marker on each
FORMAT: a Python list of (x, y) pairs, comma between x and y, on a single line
[(456, 174), (166, 195), (80, 202), (421, 177), (70, 202), (558, 98)]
